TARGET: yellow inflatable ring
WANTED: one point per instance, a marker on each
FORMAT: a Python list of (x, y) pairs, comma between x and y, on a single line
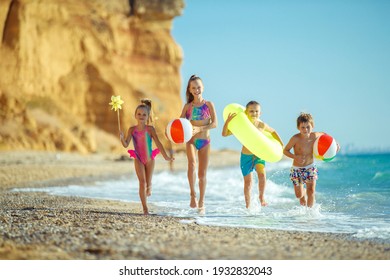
[(260, 143)]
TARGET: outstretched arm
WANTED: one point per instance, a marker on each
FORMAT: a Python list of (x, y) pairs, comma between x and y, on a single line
[(274, 133), (126, 142), (277, 137), (158, 144), (225, 129)]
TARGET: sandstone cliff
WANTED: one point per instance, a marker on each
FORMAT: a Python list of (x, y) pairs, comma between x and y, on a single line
[(62, 60)]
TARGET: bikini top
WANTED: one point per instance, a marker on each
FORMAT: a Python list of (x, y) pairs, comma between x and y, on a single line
[(198, 113)]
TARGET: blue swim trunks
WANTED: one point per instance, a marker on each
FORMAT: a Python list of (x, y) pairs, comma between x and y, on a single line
[(248, 163)]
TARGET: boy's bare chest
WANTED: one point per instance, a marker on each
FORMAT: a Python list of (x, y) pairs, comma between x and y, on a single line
[(260, 125), (304, 146)]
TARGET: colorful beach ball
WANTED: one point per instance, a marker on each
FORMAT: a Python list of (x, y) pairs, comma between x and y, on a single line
[(325, 148), (179, 131)]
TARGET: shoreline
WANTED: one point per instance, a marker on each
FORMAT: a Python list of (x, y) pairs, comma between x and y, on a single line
[(182, 218), (37, 225), (135, 205)]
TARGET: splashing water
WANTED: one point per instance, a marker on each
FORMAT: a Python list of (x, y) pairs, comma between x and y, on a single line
[(352, 196)]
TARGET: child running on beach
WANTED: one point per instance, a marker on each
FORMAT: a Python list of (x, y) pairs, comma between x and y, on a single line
[(202, 115), (248, 161), (142, 135), (304, 170)]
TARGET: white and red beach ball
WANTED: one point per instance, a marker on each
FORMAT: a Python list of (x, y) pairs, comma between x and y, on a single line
[(179, 131), (325, 148)]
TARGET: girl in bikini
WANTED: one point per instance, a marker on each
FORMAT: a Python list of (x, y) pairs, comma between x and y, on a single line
[(202, 116), (143, 154)]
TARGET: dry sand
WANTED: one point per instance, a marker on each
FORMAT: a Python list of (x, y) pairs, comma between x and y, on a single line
[(40, 226)]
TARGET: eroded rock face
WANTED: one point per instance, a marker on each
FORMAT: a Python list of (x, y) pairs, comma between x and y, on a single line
[(62, 60)]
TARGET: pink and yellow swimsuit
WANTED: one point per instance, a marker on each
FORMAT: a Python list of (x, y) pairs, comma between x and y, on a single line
[(142, 146), (196, 114)]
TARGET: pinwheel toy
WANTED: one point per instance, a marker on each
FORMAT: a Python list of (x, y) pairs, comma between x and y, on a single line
[(116, 105)]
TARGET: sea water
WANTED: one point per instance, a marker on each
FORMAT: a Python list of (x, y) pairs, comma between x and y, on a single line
[(352, 196)]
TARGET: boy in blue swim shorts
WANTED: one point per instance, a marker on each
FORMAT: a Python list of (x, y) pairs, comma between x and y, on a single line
[(248, 161), (304, 171)]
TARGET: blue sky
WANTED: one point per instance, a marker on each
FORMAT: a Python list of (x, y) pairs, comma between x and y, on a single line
[(329, 58)]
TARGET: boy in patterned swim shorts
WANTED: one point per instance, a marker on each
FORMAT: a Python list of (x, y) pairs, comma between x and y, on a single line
[(304, 171), (300, 175)]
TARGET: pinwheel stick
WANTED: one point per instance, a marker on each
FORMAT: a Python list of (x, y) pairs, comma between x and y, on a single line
[(119, 122)]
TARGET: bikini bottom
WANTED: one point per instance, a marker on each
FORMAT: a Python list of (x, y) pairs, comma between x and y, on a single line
[(200, 143)]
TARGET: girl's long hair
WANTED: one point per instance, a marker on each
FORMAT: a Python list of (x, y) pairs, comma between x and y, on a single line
[(189, 96)]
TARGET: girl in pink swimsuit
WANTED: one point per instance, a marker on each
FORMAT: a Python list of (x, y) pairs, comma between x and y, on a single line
[(202, 116), (142, 135)]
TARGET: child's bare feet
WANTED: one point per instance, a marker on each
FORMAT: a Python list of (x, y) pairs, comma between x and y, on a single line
[(302, 201), (262, 201), (193, 203), (149, 190), (146, 212), (201, 208), (247, 201)]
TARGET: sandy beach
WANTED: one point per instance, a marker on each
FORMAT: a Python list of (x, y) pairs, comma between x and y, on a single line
[(40, 226)]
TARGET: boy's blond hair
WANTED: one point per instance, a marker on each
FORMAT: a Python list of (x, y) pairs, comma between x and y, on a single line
[(305, 117)]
